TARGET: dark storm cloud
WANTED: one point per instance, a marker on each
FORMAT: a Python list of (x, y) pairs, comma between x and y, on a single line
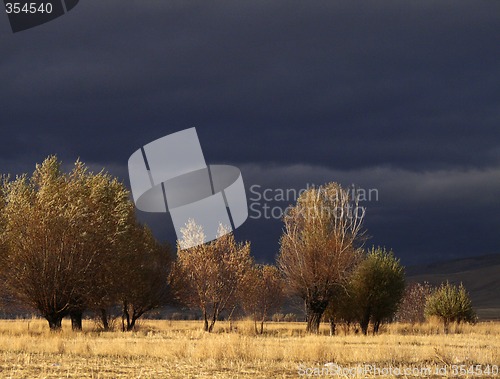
[(403, 94), (421, 215)]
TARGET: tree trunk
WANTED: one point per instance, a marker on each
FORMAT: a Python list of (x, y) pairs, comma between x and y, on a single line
[(376, 326), (347, 327), (205, 321), (262, 326), (230, 318), (313, 321), (314, 312), (131, 324), (125, 317), (55, 322), (76, 319), (132, 321), (212, 322), (104, 319), (332, 326), (446, 326), (365, 321)]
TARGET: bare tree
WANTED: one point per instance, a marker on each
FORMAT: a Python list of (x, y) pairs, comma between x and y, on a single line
[(412, 306), (262, 293), (207, 276), (323, 232)]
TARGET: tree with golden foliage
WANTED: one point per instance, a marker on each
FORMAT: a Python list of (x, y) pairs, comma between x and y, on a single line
[(58, 233), (319, 246), (207, 276), (67, 240), (109, 223)]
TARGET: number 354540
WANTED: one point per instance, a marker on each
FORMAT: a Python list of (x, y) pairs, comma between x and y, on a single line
[(28, 8)]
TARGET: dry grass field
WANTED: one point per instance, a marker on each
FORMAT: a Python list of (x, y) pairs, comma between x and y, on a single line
[(179, 349)]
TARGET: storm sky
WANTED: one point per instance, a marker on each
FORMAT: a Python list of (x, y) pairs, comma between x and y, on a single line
[(398, 96)]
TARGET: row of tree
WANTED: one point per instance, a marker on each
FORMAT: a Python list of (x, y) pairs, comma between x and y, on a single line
[(220, 277), (70, 243), (322, 262)]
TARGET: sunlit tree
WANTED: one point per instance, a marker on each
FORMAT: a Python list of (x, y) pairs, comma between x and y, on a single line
[(319, 246), (60, 230), (207, 276), (450, 304)]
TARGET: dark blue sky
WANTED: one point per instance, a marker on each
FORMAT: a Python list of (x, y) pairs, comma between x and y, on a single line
[(400, 96)]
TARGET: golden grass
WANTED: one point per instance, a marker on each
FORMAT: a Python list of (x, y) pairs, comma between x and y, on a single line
[(179, 349)]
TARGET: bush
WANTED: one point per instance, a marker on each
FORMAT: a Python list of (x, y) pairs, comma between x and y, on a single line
[(412, 307), (450, 304)]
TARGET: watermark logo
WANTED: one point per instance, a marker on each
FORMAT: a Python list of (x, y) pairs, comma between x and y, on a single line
[(275, 203), (372, 370), (170, 175), (27, 14)]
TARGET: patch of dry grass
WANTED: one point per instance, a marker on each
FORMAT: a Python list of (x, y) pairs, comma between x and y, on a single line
[(179, 349)]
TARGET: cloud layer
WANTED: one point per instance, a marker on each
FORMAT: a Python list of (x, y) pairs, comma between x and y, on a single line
[(401, 96)]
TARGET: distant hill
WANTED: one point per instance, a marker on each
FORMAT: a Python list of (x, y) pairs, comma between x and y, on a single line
[(480, 275)]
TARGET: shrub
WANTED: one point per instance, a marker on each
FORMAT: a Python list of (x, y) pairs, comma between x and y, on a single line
[(450, 304), (412, 306)]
